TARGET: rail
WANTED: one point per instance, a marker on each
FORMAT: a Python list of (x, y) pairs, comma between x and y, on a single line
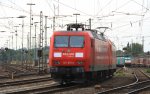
[(13, 83), (136, 84)]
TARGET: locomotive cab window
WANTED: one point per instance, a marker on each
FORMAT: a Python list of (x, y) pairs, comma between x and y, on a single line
[(76, 41), (61, 41), (69, 41)]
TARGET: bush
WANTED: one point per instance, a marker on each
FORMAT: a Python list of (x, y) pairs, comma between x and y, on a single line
[(148, 71)]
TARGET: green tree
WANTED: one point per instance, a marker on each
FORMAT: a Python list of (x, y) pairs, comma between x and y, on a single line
[(119, 52), (134, 49)]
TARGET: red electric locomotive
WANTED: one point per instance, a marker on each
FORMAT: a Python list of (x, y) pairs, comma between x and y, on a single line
[(81, 55)]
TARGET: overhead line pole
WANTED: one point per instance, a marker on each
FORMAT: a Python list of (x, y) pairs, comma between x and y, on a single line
[(35, 51), (30, 36), (54, 20), (12, 40), (89, 23), (143, 43), (16, 36), (30, 22), (16, 42), (12, 46), (40, 51), (22, 57), (45, 40)]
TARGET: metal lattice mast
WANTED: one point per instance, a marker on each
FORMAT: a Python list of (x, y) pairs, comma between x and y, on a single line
[(41, 43), (45, 31), (45, 40), (30, 4), (41, 30)]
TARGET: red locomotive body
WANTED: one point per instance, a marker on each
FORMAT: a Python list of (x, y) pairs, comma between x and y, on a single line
[(81, 55)]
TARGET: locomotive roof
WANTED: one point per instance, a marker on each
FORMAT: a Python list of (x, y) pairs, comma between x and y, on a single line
[(97, 35), (94, 33), (79, 27)]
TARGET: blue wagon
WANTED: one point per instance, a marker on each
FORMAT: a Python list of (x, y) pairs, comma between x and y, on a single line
[(120, 61)]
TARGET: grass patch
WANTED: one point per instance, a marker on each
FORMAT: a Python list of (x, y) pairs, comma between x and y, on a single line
[(148, 70), (119, 73)]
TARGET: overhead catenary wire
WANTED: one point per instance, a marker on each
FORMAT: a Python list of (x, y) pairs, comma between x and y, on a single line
[(140, 5), (129, 23), (109, 14), (81, 11), (11, 7), (19, 7), (104, 7), (73, 8), (50, 6)]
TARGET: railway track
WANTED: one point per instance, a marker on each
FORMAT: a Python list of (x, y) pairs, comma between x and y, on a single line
[(21, 82), (15, 68), (49, 89), (141, 75), (12, 71), (3, 76), (56, 88), (119, 69), (142, 82)]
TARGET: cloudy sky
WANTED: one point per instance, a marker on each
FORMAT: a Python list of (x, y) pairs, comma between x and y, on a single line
[(129, 20)]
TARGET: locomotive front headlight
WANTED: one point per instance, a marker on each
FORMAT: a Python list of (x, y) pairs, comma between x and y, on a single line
[(57, 54), (56, 62), (79, 54)]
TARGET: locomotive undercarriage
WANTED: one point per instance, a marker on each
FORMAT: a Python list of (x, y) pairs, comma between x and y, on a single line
[(77, 74), (67, 74)]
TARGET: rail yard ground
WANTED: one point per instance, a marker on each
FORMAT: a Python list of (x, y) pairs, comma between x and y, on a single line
[(3, 74), (123, 76)]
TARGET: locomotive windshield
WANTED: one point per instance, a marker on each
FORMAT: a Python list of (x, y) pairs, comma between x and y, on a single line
[(69, 41), (76, 41), (61, 41)]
